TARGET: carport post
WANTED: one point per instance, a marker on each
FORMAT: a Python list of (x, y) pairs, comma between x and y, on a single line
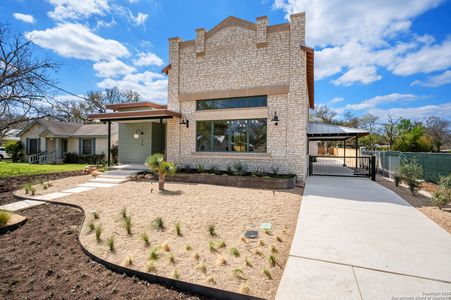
[(344, 153), (109, 143), (356, 149)]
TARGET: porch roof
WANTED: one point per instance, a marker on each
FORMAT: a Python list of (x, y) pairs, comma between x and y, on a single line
[(136, 115), (320, 131)]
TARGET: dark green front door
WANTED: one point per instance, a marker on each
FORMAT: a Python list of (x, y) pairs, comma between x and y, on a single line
[(158, 138)]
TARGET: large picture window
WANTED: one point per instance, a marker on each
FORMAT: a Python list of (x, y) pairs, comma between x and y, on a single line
[(231, 136), (257, 101)]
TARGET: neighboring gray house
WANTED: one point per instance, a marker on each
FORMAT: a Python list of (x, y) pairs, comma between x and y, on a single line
[(48, 140)]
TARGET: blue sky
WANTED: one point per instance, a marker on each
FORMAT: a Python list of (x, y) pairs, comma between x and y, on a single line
[(386, 56)]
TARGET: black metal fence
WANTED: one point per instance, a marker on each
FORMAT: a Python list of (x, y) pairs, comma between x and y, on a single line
[(363, 166)]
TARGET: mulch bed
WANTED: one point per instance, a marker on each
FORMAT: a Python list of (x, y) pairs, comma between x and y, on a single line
[(13, 183), (43, 260)]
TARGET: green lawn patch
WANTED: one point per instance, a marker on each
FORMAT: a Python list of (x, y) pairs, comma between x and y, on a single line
[(8, 169)]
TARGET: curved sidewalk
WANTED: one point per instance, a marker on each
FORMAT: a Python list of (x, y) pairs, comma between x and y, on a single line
[(358, 240)]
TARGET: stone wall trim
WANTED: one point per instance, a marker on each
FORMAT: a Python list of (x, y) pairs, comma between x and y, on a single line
[(247, 92)]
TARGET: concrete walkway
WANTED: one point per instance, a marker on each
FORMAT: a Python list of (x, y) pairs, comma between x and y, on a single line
[(358, 240)]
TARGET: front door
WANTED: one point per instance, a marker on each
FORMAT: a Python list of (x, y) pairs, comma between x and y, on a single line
[(158, 138)]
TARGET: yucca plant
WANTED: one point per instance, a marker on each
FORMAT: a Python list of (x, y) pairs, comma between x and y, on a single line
[(4, 217), (128, 224), (158, 164), (145, 239)]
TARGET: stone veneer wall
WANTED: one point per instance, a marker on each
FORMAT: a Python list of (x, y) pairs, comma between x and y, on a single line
[(232, 60)]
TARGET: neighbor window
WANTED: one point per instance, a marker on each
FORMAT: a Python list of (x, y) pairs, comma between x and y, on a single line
[(86, 147), (257, 101), (33, 146), (231, 136)]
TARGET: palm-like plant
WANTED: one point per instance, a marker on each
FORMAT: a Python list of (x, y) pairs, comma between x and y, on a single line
[(157, 163)]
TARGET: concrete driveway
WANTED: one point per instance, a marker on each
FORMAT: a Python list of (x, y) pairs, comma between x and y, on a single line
[(358, 240)]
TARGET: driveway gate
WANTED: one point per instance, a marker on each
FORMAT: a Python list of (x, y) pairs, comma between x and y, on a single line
[(362, 166)]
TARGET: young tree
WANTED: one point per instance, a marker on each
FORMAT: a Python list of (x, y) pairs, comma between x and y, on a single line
[(411, 137), (323, 114), (369, 122), (24, 80), (439, 131), (158, 164), (390, 130)]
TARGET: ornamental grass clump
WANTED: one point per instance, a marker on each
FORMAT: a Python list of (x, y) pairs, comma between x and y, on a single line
[(98, 233), (442, 196), (171, 258), (123, 212), (95, 214), (158, 224), (27, 187), (175, 274), (238, 274), (151, 268), (91, 226), (212, 230), (153, 254), (178, 229), (234, 251), (202, 268), (244, 289), (145, 239), (221, 261), (158, 164), (272, 260), (4, 217), (128, 261), (110, 243), (196, 256), (267, 273), (188, 247), (127, 221)]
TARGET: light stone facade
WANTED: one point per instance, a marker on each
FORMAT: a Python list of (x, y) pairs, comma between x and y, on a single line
[(240, 58)]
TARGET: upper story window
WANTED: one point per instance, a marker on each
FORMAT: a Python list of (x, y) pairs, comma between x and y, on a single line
[(242, 102)]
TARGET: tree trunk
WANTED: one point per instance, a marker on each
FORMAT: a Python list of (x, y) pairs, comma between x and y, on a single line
[(161, 181)]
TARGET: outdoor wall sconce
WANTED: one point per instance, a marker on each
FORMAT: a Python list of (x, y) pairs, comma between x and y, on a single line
[(184, 121), (136, 135), (275, 119)]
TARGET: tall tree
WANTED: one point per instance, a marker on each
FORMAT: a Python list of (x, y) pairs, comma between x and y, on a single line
[(24, 81), (323, 114), (439, 131), (390, 130), (411, 137), (369, 122)]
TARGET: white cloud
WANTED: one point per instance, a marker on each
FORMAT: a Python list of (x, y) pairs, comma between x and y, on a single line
[(148, 59), (336, 100), (77, 41), (77, 9), (416, 113), (356, 39), (150, 85), (376, 101), (428, 59), (24, 18), (112, 68), (105, 24), (435, 81), (140, 18)]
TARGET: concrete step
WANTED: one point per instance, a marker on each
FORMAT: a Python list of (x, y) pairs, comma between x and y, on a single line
[(109, 180)]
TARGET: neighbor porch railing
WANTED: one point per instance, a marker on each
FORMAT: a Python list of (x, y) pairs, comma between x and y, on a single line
[(42, 157)]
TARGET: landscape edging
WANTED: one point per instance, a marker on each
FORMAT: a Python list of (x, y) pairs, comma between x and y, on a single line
[(180, 285)]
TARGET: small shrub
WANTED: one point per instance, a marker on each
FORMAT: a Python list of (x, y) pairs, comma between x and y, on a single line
[(15, 150), (153, 254), (212, 229), (234, 251), (178, 229), (171, 258), (123, 212), (128, 261), (128, 224), (442, 196), (244, 289), (412, 173), (95, 214), (267, 273), (238, 274), (221, 261), (98, 233), (4, 217), (165, 247), (158, 223), (145, 239), (188, 247), (110, 243), (175, 274), (196, 256), (248, 262), (273, 249), (202, 267), (150, 267), (272, 260)]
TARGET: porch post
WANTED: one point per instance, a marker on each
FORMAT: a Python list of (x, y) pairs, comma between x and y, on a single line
[(356, 149), (344, 153), (109, 143), (161, 136)]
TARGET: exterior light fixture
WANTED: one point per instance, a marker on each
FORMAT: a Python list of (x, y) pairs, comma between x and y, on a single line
[(137, 132), (184, 121), (275, 119)]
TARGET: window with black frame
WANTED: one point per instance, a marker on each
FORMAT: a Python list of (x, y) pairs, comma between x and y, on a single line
[(87, 147), (231, 136), (241, 102)]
